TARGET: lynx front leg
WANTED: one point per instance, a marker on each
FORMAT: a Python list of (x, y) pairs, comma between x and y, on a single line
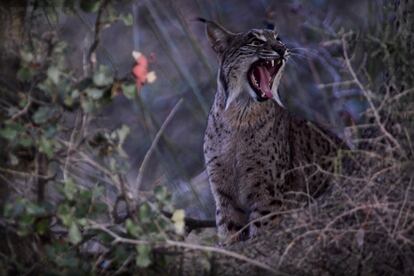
[(264, 214), (230, 218), (265, 202)]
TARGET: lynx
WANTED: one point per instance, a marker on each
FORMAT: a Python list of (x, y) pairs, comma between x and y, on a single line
[(260, 158)]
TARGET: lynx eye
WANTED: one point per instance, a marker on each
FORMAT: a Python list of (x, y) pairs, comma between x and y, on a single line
[(256, 42)]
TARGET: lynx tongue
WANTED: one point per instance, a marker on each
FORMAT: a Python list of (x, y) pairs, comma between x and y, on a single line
[(265, 79)]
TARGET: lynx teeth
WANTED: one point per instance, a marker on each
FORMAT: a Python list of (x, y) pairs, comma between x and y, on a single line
[(255, 81)]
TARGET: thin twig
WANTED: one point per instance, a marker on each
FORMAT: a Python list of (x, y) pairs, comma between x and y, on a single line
[(225, 253), (24, 174), (24, 110), (238, 233), (70, 147), (148, 155), (97, 30), (327, 228), (335, 84), (171, 243), (397, 221), (367, 94)]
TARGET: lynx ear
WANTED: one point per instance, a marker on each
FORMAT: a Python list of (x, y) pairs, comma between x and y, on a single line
[(217, 35)]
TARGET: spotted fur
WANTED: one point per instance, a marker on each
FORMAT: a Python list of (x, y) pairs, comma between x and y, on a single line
[(260, 159)]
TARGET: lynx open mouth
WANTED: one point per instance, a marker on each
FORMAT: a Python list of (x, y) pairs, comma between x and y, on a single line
[(261, 76)]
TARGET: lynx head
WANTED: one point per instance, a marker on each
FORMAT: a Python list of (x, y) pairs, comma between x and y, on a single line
[(250, 62)]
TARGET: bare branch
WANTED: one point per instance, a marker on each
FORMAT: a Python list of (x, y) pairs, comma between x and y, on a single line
[(367, 94), (157, 137)]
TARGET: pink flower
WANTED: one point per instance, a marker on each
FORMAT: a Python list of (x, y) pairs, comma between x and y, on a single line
[(140, 70)]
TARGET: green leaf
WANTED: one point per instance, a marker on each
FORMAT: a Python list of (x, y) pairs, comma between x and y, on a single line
[(85, 195), (143, 258), (132, 228), (70, 99), (123, 133), (129, 90), (161, 193), (89, 5), (35, 210), (25, 140), (87, 105), (94, 93), (60, 48), (127, 19), (46, 147), (26, 56), (100, 207), (65, 213), (113, 164), (82, 221), (16, 208), (8, 210), (66, 259), (74, 94), (144, 213), (102, 76), (26, 220), (42, 226), (47, 86), (13, 159), (24, 74), (97, 191), (69, 4), (178, 219), (41, 115), (9, 133), (75, 235), (121, 254), (53, 74), (23, 230), (70, 189), (50, 132)]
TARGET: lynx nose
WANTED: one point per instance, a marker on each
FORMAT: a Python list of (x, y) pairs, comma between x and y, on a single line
[(280, 48)]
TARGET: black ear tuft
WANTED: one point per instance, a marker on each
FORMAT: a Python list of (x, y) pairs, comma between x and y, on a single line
[(269, 25), (217, 35)]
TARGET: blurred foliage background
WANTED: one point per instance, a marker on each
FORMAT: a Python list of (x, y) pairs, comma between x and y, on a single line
[(79, 135)]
